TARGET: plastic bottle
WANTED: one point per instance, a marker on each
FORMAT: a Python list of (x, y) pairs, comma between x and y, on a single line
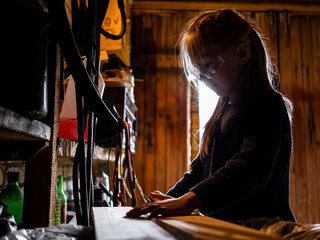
[(62, 199), (12, 196)]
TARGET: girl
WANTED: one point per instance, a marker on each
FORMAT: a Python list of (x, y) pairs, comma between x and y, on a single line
[(242, 170)]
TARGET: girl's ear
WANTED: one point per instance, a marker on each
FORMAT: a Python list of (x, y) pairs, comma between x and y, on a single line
[(243, 52)]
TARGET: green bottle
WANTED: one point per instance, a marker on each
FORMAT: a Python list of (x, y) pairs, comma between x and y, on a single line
[(62, 199), (12, 196), (57, 217)]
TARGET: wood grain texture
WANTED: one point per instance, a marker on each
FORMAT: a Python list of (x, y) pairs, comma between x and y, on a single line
[(162, 144), (15, 127), (199, 227), (300, 79), (111, 223), (249, 5)]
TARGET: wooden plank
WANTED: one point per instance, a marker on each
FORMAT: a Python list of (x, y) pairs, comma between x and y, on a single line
[(37, 210), (66, 150), (199, 227), (41, 169), (286, 87), (111, 223), (285, 55), (160, 37), (304, 28), (309, 113), (315, 23), (172, 107), (298, 129), (202, 5), (149, 137), (15, 127), (150, 107)]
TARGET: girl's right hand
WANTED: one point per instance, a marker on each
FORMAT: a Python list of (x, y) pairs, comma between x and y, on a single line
[(158, 196)]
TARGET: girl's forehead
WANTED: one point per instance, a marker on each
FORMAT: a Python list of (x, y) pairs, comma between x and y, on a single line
[(210, 50)]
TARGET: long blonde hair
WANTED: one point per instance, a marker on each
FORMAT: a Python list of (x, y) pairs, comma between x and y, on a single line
[(225, 28)]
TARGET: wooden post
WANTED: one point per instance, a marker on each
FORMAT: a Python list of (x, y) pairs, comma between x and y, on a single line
[(41, 169)]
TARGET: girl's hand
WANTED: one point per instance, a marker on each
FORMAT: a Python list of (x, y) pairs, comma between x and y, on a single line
[(157, 195), (168, 207)]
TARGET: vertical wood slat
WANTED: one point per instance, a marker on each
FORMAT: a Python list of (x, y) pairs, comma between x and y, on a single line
[(41, 169), (160, 36), (172, 115), (308, 113), (145, 101), (299, 126), (298, 129), (315, 24), (165, 157), (300, 82), (305, 78), (286, 87)]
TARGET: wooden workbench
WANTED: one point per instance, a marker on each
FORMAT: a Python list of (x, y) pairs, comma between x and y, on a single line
[(111, 223)]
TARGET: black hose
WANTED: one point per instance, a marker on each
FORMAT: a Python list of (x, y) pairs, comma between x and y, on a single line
[(77, 69), (124, 23), (104, 189), (75, 177), (86, 92)]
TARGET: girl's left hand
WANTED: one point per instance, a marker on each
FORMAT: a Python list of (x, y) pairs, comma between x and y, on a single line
[(168, 207)]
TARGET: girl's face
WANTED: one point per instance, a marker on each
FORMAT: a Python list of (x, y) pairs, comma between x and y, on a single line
[(219, 70)]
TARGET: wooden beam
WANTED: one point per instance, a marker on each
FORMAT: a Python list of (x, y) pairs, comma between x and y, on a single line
[(37, 189), (41, 169), (242, 6)]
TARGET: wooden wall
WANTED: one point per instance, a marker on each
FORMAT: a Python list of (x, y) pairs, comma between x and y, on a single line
[(163, 99), (299, 54)]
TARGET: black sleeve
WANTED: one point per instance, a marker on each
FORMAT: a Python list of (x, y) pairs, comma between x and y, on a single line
[(189, 180), (251, 168)]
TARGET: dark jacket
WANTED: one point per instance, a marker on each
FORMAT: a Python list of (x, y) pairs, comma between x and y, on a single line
[(246, 174)]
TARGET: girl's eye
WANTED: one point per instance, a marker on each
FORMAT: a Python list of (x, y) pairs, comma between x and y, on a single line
[(209, 69), (209, 64)]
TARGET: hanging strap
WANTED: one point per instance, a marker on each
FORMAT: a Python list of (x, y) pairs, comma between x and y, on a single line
[(117, 176), (129, 162)]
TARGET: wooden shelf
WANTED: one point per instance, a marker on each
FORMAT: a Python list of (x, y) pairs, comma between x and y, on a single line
[(66, 150), (15, 127)]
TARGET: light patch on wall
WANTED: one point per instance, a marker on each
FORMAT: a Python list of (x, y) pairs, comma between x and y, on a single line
[(208, 100)]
